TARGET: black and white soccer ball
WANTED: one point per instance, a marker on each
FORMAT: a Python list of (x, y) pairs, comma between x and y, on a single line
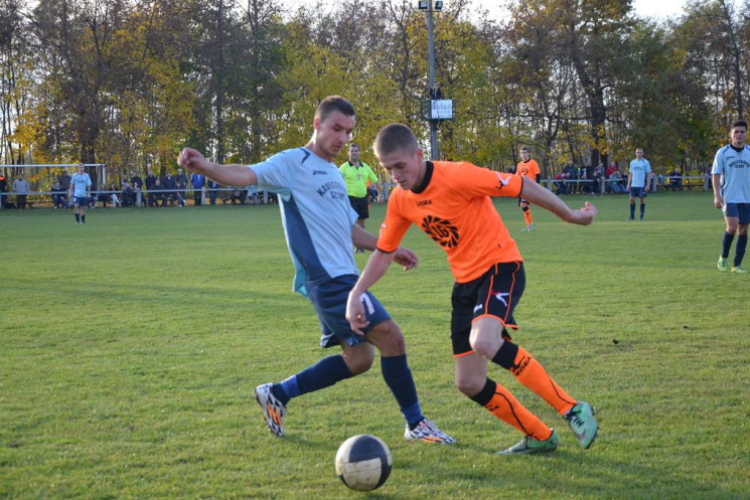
[(363, 462)]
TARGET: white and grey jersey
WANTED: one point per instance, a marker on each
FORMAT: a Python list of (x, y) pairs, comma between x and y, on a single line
[(734, 167), (315, 212)]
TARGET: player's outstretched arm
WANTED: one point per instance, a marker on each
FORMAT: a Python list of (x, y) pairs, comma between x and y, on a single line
[(376, 267), (229, 175), (541, 196)]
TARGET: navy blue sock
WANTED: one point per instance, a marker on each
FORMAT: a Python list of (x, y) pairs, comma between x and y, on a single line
[(632, 210), (322, 374), (78, 218), (643, 209), (739, 250), (398, 376), (726, 244)]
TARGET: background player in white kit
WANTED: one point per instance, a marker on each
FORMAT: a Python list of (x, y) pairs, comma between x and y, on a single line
[(639, 181), (731, 181)]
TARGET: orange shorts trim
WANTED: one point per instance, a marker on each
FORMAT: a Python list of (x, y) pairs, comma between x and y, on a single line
[(506, 325)]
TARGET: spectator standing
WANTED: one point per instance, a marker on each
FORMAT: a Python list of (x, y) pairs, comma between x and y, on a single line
[(80, 187), (3, 190), (137, 183), (150, 182), (21, 188), (182, 183), (58, 195), (731, 184), (198, 181), (639, 182), (213, 191), (528, 169), (598, 178), (64, 179), (356, 174)]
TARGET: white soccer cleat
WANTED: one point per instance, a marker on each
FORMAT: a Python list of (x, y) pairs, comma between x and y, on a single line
[(273, 409), (428, 432)]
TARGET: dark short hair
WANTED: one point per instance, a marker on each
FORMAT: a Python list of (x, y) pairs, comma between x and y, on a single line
[(354, 145), (395, 137), (740, 123), (331, 104), (524, 148)]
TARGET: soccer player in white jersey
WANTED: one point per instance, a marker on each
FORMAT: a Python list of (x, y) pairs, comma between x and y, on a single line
[(320, 227), (80, 184), (731, 181), (639, 181)]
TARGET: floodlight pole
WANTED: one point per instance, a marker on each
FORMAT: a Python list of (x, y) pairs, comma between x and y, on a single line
[(431, 53)]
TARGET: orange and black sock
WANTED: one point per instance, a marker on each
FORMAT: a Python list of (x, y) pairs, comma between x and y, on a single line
[(532, 374), (527, 216), (503, 404)]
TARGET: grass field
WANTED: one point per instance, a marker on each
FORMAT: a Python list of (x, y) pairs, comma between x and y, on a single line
[(129, 349)]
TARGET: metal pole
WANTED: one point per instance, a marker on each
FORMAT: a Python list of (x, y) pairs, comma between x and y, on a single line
[(431, 49)]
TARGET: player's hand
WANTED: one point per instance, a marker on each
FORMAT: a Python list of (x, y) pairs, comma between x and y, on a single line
[(355, 313), (719, 201), (585, 216), (192, 160), (406, 258)]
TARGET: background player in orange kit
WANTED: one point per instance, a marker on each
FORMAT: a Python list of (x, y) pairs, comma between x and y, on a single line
[(530, 169), (451, 203)]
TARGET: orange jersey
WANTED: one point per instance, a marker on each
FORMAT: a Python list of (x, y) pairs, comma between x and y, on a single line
[(529, 169), (456, 211)]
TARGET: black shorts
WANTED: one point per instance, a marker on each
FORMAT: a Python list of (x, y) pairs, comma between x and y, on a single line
[(496, 294), (360, 206)]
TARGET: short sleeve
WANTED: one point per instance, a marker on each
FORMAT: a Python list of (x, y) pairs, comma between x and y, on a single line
[(394, 227), (718, 166), (277, 172), (475, 181), (371, 175)]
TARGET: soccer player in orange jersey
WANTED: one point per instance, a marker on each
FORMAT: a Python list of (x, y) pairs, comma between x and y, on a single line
[(530, 169), (451, 203)]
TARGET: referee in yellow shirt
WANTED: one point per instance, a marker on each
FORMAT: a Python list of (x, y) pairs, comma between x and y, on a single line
[(357, 174)]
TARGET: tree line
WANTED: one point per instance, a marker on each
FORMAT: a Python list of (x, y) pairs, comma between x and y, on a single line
[(130, 82)]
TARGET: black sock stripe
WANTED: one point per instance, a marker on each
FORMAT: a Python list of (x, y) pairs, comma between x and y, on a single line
[(513, 411)]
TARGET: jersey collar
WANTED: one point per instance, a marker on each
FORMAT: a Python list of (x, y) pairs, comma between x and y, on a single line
[(429, 169)]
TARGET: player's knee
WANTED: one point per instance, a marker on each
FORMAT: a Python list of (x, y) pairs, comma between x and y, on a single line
[(359, 361), (484, 345), (388, 338), (361, 364), (468, 385)]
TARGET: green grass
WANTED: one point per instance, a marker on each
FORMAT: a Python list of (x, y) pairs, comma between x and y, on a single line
[(129, 349)]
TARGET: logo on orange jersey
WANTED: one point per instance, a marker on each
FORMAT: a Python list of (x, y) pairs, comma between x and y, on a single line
[(441, 231), (503, 181)]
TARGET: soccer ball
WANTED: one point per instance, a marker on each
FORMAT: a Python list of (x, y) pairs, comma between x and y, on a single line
[(363, 462)]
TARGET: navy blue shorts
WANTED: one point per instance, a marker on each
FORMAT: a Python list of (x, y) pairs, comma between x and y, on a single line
[(741, 210), (329, 300), (637, 192), (81, 201), (496, 294)]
